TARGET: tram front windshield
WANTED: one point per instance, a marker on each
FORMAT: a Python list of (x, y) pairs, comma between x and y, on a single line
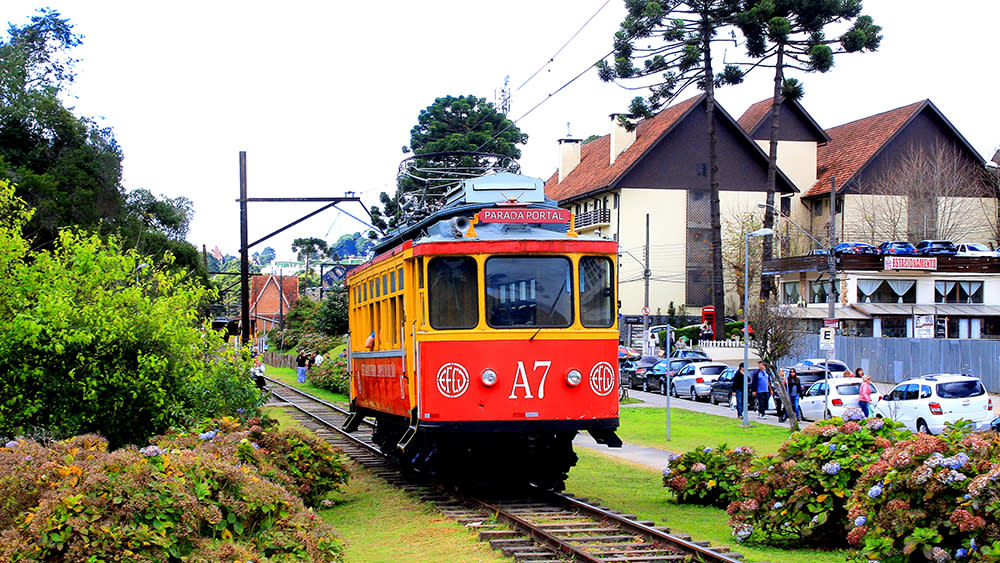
[(529, 291)]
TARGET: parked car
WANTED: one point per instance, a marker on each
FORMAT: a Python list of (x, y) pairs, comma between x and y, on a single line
[(897, 247), (721, 390), (974, 249), (843, 395), (925, 404), (656, 377), (818, 252), (695, 379), (690, 353), (634, 372), (855, 248), (811, 370), (936, 248)]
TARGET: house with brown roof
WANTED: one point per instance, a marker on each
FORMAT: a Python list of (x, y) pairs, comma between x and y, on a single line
[(660, 171), (271, 297), (903, 174)]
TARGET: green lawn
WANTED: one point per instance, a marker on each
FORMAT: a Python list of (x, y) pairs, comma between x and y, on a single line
[(647, 426), (639, 490), (287, 376)]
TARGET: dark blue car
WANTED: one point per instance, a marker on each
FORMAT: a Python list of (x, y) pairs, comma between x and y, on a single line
[(936, 248), (897, 247), (855, 248)]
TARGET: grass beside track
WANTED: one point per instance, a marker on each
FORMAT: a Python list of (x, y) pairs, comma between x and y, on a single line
[(639, 490), (647, 426)]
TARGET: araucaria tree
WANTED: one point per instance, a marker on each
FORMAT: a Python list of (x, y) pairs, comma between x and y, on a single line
[(688, 31), (790, 34), (455, 135)]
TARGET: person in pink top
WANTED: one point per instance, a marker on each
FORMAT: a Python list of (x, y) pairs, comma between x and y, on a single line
[(865, 394)]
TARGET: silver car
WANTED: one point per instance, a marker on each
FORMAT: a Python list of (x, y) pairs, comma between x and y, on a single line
[(695, 380)]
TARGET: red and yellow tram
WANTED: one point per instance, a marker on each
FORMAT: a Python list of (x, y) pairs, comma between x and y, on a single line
[(484, 337)]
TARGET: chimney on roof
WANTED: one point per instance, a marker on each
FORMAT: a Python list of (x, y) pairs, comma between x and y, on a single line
[(569, 156), (620, 138)]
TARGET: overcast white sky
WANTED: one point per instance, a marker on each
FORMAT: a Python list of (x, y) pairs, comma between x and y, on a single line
[(323, 95)]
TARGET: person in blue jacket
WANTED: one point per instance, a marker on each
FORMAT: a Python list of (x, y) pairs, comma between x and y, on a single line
[(760, 387)]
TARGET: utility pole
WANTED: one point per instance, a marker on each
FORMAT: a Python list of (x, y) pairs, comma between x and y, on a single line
[(831, 260), (645, 298), (245, 329)]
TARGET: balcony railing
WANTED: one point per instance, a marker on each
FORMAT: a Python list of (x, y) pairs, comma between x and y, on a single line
[(593, 219)]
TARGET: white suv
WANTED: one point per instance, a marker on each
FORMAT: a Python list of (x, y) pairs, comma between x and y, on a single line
[(927, 403)]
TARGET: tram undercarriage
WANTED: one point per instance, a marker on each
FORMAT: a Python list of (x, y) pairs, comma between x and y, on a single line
[(480, 458)]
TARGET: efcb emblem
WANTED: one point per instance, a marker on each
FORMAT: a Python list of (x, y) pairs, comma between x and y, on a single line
[(452, 380), (602, 379)]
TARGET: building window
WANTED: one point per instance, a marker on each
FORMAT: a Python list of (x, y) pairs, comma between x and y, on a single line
[(616, 201), (702, 170), (605, 203), (819, 292), (817, 207), (887, 291), (790, 292), (958, 292), (894, 327)]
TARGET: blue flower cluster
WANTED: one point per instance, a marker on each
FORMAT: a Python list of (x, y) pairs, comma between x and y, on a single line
[(151, 451), (853, 414), (860, 520), (12, 444), (777, 506), (832, 447), (707, 450), (209, 435), (831, 468), (875, 491)]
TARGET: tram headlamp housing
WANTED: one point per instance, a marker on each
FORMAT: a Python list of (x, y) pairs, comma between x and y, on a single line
[(574, 377), (489, 377)]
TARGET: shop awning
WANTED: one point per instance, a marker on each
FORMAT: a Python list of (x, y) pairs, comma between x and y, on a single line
[(950, 309)]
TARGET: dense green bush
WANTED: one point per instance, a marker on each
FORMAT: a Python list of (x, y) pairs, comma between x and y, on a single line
[(331, 318), (331, 375), (222, 499), (799, 495), (708, 476), (100, 339), (933, 498)]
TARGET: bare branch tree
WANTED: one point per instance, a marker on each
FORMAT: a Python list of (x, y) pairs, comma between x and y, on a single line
[(735, 229), (775, 338), (931, 192)]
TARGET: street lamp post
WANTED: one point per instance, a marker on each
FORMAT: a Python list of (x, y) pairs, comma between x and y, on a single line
[(746, 322)]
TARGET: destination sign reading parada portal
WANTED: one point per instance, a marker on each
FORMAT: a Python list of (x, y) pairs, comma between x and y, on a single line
[(521, 215)]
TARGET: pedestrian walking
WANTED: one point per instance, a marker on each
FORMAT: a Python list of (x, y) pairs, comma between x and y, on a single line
[(257, 372), (761, 384), (301, 363), (794, 392), (738, 381), (865, 394), (319, 359)]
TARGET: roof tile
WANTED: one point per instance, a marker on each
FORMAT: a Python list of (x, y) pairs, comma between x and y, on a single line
[(853, 144)]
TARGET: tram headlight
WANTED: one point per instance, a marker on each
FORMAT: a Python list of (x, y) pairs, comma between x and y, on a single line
[(574, 377), (489, 377)]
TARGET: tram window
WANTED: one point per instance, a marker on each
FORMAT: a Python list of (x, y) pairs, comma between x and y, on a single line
[(365, 287), (399, 275), (596, 303), (420, 273), (378, 288), (385, 284), (453, 299), (529, 291), (392, 281)]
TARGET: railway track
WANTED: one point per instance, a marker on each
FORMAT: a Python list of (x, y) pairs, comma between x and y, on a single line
[(537, 526)]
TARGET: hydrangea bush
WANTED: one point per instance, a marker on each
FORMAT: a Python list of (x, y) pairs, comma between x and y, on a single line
[(930, 497), (203, 496), (331, 375), (799, 495), (707, 476)]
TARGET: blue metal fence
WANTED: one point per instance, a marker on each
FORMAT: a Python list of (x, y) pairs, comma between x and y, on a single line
[(891, 360)]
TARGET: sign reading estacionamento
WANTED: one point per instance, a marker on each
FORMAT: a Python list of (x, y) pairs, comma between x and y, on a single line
[(910, 263), (515, 215)]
